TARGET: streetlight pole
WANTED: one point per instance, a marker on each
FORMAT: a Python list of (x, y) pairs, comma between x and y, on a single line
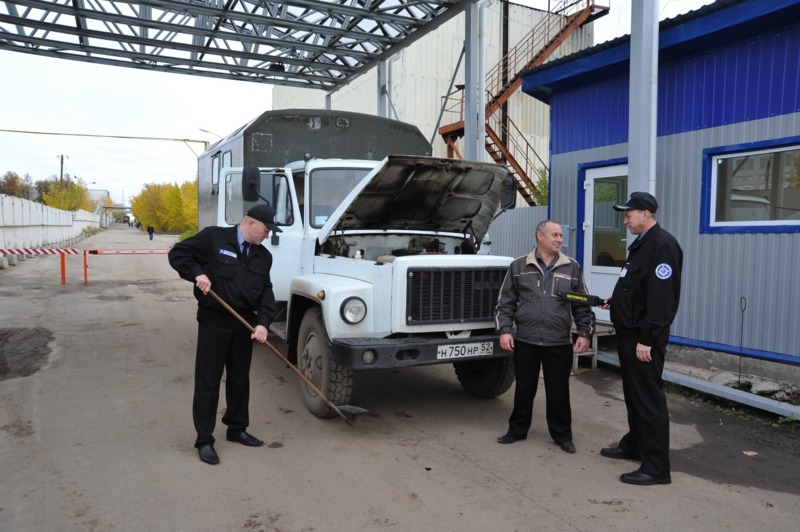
[(210, 132)]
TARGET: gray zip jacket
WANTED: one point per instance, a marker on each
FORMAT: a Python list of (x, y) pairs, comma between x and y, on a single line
[(541, 316)]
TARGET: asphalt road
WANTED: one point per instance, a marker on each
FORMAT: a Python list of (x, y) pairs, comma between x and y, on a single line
[(96, 433)]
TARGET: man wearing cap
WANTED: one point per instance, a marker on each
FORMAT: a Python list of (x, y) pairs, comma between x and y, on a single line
[(643, 305), (232, 261)]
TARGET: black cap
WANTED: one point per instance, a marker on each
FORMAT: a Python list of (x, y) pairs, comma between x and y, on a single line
[(640, 201), (264, 214)]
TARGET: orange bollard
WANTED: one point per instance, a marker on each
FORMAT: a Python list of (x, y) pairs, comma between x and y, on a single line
[(85, 267), (63, 267)]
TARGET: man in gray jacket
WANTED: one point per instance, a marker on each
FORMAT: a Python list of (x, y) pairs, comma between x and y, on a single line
[(531, 298)]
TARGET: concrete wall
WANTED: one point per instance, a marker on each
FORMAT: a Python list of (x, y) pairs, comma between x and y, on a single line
[(27, 224)]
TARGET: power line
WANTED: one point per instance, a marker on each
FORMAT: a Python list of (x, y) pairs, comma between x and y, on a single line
[(124, 137)]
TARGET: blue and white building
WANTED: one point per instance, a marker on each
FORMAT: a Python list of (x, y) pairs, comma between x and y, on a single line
[(727, 168)]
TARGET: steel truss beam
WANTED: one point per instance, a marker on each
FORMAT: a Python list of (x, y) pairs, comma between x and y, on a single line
[(322, 44)]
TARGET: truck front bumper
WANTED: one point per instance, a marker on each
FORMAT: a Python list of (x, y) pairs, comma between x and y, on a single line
[(382, 353)]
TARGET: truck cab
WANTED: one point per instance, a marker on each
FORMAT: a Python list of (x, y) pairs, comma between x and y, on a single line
[(377, 266)]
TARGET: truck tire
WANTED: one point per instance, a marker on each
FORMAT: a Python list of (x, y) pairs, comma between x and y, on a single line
[(486, 378), (315, 360)]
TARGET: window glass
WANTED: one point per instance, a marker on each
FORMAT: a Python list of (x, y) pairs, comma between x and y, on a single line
[(274, 189), (215, 174), (756, 188), (234, 205), (329, 186), (609, 237)]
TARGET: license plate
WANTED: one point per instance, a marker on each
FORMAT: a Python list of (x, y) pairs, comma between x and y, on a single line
[(475, 349)]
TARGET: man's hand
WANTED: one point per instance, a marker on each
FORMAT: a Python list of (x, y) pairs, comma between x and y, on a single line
[(643, 353), (581, 345), (507, 342), (203, 283), (260, 334), (606, 303)]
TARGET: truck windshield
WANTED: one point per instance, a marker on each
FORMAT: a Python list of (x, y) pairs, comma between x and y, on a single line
[(329, 186)]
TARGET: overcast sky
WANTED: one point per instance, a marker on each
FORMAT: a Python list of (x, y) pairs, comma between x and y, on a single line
[(62, 96)]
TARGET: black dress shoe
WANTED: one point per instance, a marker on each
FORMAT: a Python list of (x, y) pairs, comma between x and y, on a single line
[(567, 446), (643, 479), (616, 452), (245, 439), (509, 438), (208, 454)]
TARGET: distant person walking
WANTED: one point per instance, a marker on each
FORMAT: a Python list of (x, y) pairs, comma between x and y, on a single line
[(150, 231)]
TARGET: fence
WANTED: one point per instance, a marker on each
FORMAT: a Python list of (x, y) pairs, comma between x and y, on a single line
[(27, 224)]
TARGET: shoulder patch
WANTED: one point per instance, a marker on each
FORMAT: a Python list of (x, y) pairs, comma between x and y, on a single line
[(663, 271)]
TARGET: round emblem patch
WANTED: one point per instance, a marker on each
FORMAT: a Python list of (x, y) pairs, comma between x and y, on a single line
[(663, 271)]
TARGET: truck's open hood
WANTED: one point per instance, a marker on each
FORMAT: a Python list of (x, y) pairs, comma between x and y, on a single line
[(422, 194)]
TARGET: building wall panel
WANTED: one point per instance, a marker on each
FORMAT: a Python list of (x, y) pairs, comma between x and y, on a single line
[(513, 233), (719, 269)]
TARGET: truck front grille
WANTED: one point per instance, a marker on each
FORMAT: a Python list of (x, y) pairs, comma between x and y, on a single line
[(440, 295)]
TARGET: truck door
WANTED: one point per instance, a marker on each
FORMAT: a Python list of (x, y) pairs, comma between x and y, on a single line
[(286, 247), (276, 187)]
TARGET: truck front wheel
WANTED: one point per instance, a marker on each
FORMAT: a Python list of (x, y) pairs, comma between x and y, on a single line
[(486, 378), (314, 359)]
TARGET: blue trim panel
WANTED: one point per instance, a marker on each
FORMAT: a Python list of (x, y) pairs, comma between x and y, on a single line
[(705, 187), (709, 28), (589, 117), (792, 360), (749, 81)]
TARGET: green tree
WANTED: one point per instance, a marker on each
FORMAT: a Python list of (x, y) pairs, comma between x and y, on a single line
[(542, 184)]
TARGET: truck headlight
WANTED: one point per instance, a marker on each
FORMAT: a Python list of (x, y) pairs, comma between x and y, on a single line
[(353, 310)]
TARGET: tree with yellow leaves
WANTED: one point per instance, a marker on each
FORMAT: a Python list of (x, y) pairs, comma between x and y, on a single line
[(168, 208), (68, 195)]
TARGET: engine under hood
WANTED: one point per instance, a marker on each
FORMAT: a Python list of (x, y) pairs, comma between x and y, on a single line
[(413, 193)]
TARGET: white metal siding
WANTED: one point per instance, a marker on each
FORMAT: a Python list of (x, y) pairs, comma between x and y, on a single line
[(421, 73)]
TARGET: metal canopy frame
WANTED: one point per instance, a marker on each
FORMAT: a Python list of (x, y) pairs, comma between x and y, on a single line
[(320, 44)]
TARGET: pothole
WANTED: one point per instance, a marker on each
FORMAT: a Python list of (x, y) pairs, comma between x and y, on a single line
[(23, 351)]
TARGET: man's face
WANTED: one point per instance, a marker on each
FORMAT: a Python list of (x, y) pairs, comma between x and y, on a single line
[(551, 240), (637, 221), (258, 231)]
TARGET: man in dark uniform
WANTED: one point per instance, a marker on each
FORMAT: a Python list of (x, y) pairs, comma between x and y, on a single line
[(232, 261), (643, 305)]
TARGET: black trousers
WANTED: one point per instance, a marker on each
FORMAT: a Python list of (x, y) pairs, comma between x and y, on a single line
[(646, 402), (222, 345), (556, 362)]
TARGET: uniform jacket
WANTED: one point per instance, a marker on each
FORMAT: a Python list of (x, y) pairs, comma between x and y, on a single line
[(541, 316), (646, 296), (242, 283)]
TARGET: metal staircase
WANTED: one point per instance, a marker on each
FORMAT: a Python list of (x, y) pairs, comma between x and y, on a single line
[(505, 143)]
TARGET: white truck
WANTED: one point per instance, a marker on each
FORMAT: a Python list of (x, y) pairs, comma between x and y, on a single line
[(377, 264)]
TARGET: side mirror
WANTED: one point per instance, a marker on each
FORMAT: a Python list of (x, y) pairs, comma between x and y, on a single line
[(508, 200), (251, 183)]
